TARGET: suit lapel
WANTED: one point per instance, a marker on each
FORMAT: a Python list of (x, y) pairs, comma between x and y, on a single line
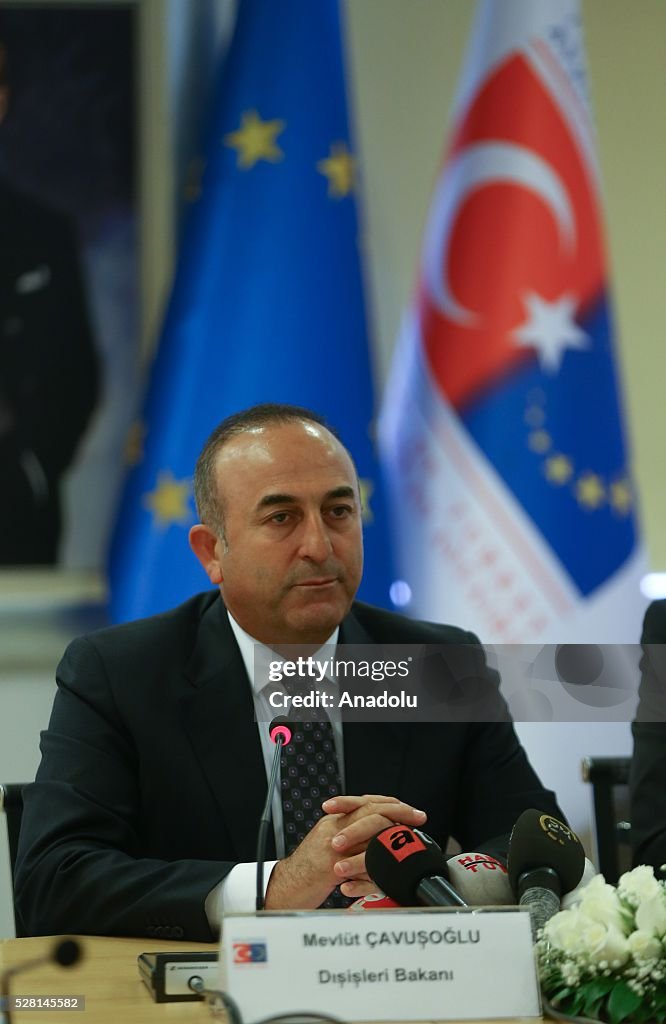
[(218, 716), (374, 751)]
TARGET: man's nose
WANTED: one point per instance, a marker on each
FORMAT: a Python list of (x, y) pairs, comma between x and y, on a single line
[(315, 541)]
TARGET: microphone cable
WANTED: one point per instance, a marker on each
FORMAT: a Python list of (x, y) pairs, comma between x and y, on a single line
[(223, 1006)]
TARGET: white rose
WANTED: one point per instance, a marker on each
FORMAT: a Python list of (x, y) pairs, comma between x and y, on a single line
[(563, 932), (606, 913), (604, 943), (651, 917), (644, 946), (639, 886), (592, 934), (598, 888), (599, 902)]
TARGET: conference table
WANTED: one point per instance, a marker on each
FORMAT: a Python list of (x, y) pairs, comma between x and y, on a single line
[(108, 977)]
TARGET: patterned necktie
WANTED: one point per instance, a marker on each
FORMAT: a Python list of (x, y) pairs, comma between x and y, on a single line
[(309, 775)]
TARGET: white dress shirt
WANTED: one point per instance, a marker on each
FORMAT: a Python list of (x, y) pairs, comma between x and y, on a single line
[(237, 892)]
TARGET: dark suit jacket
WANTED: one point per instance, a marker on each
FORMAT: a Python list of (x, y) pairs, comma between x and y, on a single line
[(48, 373), (648, 766), (152, 779)]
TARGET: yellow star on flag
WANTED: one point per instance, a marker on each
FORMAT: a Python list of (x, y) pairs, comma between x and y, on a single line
[(366, 488), (255, 140), (539, 441), (339, 168), (620, 497), (558, 469), (169, 501), (590, 490), (535, 416)]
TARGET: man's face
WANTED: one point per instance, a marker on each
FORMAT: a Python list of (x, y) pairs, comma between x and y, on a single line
[(294, 549)]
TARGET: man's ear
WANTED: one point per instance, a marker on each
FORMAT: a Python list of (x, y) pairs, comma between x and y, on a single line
[(207, 546)]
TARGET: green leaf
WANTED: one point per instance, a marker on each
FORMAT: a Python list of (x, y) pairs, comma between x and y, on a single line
[(595, 995), (561, 993), (622, 1002), (598, 987)]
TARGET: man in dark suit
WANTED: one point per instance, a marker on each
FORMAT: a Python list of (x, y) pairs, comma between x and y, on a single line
[(48, 368), (648, 765), (145, 810)]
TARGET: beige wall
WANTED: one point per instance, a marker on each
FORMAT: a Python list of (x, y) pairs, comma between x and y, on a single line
[(406, 58)]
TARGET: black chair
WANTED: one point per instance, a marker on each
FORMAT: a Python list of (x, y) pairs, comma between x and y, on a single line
[(609, 778), (11, 803)]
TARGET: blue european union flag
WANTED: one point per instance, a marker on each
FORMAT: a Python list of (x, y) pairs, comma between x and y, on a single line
[(267, 303)]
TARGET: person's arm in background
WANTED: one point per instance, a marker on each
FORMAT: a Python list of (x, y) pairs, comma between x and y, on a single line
[(648, 766)]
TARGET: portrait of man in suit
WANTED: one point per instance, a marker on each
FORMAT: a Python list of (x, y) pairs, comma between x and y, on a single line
[(49, 379)]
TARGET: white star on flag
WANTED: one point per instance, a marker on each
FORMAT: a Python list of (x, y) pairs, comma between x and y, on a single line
[(551, 329)]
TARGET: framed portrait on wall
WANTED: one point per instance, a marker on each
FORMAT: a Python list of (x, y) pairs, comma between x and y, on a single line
[(69, 276)]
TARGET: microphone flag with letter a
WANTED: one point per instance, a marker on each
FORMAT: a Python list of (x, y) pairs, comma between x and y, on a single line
[(501, 430), (267, 303)]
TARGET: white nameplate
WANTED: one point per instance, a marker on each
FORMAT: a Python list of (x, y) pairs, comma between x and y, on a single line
[(426, 964)]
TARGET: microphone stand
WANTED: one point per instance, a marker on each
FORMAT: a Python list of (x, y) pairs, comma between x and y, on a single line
[(265, 820), (6, 977), (66, 953)]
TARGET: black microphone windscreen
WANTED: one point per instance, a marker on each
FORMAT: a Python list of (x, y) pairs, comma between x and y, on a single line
[(398, 858), (539, 840), (67, 952)]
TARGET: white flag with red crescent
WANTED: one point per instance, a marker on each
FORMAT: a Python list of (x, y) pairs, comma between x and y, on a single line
[(501, 429)]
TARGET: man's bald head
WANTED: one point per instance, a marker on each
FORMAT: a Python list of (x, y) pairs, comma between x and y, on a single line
[(207, 495)]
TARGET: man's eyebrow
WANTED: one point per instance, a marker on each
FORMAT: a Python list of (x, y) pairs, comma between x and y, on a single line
[(269, 500), (276, 499), (341, 492)]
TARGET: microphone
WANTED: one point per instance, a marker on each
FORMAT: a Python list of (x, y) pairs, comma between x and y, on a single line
[(410, 868), (280, 731), (545, 859), (373, 901), (66, 953), (482, 880)]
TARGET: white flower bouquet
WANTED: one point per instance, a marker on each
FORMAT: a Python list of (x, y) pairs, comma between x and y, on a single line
[(605, 958)]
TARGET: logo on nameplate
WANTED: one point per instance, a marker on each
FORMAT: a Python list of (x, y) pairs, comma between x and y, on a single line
[(250, 952)]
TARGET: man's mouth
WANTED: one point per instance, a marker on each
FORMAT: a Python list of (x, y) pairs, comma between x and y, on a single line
[(319, 581)]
